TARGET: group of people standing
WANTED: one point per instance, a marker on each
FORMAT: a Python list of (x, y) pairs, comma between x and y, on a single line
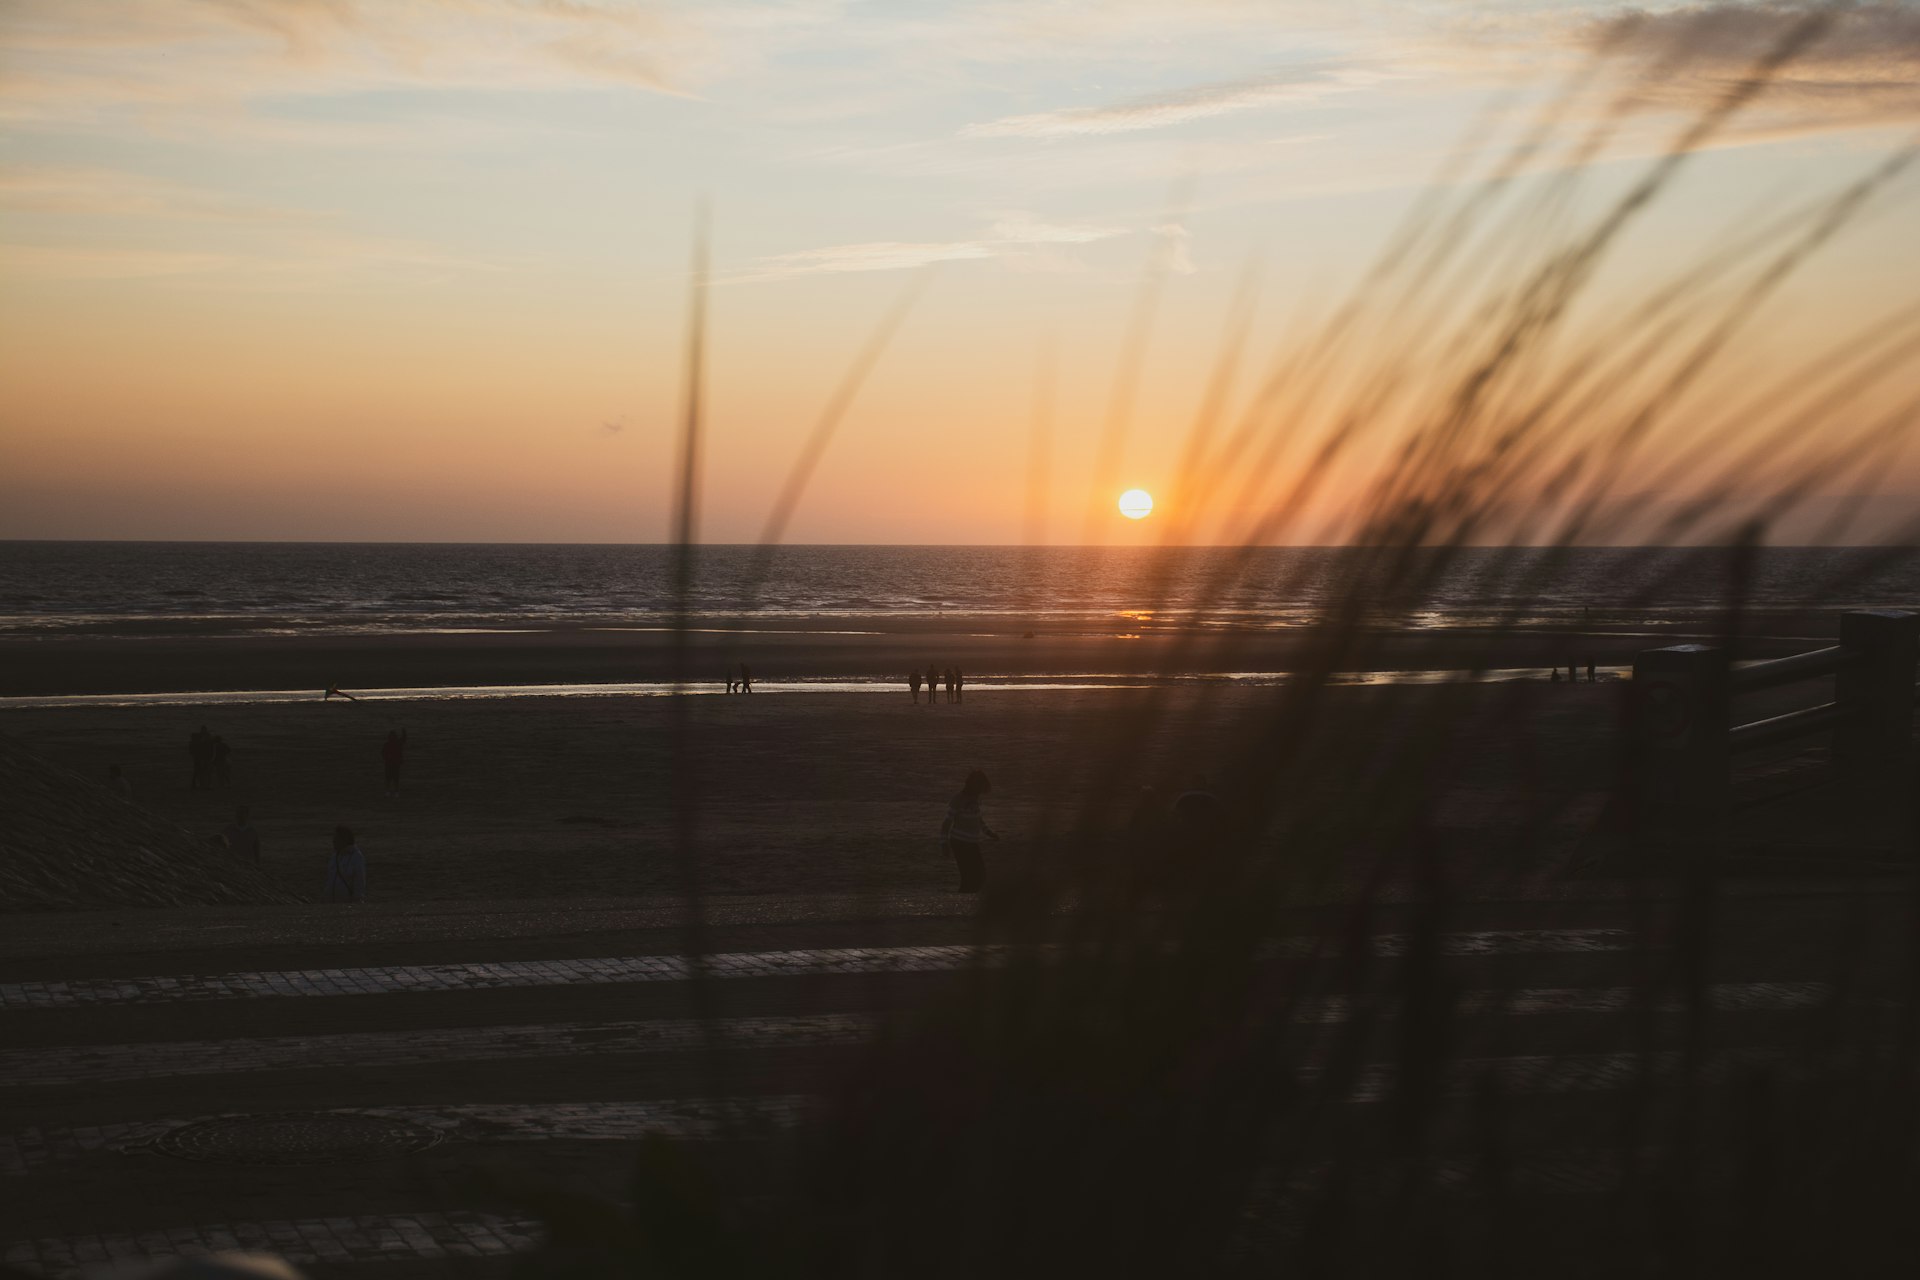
[(740, 678), (346, 878), (1573, 673), (952, 677)]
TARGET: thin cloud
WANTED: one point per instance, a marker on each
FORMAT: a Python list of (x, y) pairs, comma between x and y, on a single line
[(1863, 69), (56, 262), (880, 255), (1021, 228), (1199, 103), (64, 57), (114, 194), (302, 259), (1012, 235)]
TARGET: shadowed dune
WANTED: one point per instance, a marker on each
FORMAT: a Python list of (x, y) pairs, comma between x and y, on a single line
[(68, 843)]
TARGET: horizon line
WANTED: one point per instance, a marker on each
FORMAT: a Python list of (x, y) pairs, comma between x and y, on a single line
[(993, 546)]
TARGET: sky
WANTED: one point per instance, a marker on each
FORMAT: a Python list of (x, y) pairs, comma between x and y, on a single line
[(419, 269)]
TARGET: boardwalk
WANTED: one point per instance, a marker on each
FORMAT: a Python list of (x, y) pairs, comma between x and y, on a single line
[(551, 1051)]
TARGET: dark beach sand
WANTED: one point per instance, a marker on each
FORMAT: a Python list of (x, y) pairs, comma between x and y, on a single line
[(552, 797)]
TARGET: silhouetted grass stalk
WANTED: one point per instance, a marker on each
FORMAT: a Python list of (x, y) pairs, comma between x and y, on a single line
[(1139, 1091)]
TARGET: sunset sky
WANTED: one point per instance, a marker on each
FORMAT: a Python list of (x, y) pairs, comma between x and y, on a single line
[(417, 269)]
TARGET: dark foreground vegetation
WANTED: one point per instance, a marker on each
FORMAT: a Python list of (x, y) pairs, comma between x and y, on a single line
[(1155, 1090)]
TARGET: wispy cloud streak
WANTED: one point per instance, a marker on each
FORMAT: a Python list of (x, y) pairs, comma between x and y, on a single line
[(1011, 233), (1200, 102), (1864, 68)]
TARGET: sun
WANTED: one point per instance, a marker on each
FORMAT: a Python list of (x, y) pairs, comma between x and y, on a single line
[(1136, 504)]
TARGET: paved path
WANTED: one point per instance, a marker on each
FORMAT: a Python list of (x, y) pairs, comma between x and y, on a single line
[(553, 1049), (383, 979)]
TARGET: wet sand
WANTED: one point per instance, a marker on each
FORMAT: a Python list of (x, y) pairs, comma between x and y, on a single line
[(794, 650)]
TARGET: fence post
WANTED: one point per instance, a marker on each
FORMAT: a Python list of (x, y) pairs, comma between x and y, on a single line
[(1678, 734), (1874, 690)]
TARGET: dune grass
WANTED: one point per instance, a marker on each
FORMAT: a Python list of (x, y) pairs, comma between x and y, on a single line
[(1161, 1096)]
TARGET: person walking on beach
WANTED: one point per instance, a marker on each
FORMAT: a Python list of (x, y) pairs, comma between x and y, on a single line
[(1589, 670), (913, 683), (746, 678), (200, 751), (933, 684), (393, 753), (346, 869), (730, 677), (243, 842), (962, 830), (333, 691)]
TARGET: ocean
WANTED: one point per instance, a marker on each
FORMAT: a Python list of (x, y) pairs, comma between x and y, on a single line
[(51, 589)]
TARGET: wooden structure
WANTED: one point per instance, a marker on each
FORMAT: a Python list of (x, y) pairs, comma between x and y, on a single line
[(1683, 737)]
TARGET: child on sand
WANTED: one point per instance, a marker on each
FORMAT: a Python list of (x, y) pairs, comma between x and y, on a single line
[(346, 869)]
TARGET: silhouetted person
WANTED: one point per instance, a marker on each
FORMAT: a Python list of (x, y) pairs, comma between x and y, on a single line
[(913, 683), (746, 678), (962, 831), (959, 685), (950, 678), (1555, 677), (119, 783), (333, 691), (346, 869), (1589, 673), (730, 680), (933, 684), (1196, 811), (1195, 827), (200, 750), (242, 840), (393, 753), (222, 762)]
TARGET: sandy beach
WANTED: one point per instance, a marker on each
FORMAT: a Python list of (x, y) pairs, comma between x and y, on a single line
[(548, 797)]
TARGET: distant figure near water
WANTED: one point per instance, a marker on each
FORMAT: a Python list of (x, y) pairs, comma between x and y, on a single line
[(730, 679), (333, 691), (962, 831), (346, 869), (393, 753), (913, 683), (933, 684), (1589, 671), (746, 678)]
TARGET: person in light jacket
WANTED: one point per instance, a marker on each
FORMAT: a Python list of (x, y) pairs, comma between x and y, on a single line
[(346, 869), (963, 829)]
